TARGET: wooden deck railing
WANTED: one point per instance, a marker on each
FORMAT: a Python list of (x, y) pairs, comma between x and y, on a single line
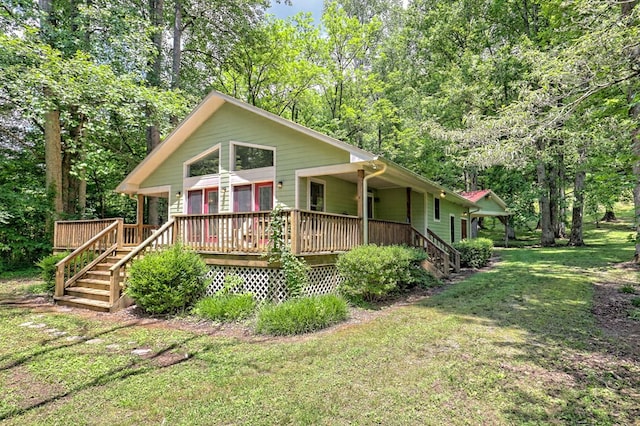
[(385, 233), (135, 234), (316, 232), (90, 253), (163, 237), (454, 255), (71, 234), (226, 232), (438, 257)]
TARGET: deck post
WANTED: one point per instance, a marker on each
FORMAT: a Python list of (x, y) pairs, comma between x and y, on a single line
[(359, 198), (295, 232), (447, 265), (59, 291), (120, 234), (140, 217)]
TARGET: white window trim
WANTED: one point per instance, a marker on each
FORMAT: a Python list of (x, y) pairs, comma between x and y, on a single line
[(324, 192), (232, 155), (437, 219), (186, 164)]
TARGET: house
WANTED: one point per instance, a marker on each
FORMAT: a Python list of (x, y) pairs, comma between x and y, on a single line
[(489, 205), (222, 171)]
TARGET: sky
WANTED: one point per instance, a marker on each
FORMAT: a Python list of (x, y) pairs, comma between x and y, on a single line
[(282, 10)]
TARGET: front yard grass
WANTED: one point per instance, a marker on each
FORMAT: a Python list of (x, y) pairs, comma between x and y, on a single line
[(517, 344)]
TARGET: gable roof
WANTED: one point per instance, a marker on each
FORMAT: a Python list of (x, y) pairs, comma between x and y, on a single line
[(203, 112), (476, 196), (214, 101)]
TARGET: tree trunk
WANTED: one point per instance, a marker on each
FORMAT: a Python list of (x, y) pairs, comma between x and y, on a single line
[(547, 238), (576, 239), (510, 231), (53, 159), (474, 227), (609, 216), (156, 8)]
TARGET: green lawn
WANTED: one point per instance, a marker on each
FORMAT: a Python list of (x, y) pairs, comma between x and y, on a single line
[(514, 345)]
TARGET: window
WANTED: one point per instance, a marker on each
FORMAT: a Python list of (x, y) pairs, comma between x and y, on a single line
[(242, 198), (262, 199), (248, 157), (453, 228), (436, 208), (264, 196), (316, 196), (201, 201), (209, 165)]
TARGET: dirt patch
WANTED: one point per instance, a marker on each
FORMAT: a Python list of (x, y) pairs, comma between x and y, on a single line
[(612, 307), (28, 392)]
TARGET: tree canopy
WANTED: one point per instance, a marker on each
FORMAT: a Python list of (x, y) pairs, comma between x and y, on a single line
[(537, 99)]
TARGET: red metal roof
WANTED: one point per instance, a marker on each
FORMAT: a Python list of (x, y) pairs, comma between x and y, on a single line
[(475, 196)]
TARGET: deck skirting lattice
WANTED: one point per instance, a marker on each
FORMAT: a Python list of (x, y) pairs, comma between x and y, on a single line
[(268, 283)]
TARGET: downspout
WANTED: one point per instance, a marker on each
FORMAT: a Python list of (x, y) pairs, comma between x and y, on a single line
[(365, 202)]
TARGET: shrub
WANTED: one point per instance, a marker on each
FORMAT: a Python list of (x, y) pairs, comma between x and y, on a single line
[(636, 302), (303, 315), (474, 253), (371, 272), (167, 281), (48, 269), (226, 307)]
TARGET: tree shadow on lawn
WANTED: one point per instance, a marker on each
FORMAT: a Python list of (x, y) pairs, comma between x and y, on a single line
[(155, 361), (566, 369)]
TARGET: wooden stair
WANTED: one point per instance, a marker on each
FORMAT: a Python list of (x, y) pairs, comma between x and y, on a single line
[(91, 290)]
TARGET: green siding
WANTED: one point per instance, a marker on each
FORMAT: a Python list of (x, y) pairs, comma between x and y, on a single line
[(230, 123), (417, 211), (488, 205), (391, 205), (442, 227), (340, 195)]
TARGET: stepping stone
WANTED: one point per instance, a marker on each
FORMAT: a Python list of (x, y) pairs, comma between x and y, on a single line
[(113, 346), (94, 341), (26, 324), (59, 333), (72, 338), (141, 352), (41, 325), (51, 330)]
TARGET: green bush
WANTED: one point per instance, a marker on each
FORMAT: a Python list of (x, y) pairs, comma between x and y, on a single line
[(371, 272), (474, 253), (303, 315), (48, 269), (167, 281), (226, 307)]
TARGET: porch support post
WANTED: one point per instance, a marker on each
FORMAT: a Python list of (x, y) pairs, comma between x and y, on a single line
[(506, 231), (409, 205), (360, 199), (140, 217)]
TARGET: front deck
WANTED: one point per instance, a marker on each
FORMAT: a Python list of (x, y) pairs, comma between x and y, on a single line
[(103, 249)]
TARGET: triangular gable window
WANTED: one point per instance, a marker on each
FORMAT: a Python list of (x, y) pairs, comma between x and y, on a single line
[(207, 165)]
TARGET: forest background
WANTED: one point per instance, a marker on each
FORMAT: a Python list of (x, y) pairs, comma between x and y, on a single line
[(536, 99)]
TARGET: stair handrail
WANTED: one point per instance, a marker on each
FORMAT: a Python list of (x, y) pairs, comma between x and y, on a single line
[(438, 257), (453, 253), (114, 272), (61, 266)]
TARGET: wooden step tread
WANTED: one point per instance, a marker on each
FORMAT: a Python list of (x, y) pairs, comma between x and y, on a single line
[(92, 281), (82, 302), (88, 290)]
